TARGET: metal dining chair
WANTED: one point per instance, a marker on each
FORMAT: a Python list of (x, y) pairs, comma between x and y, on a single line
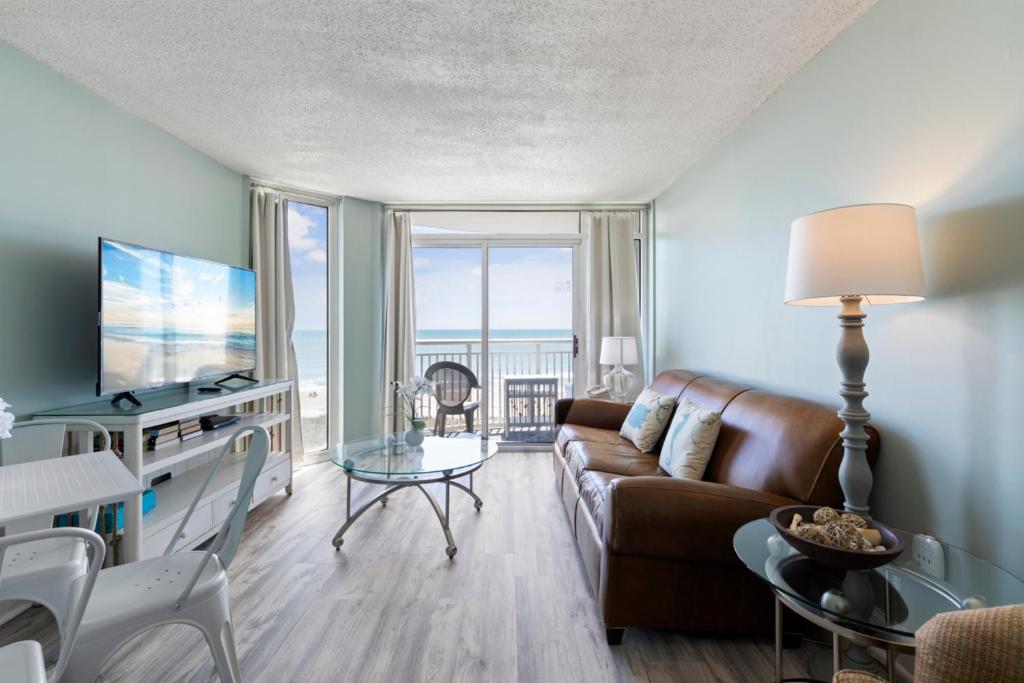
[(23, 662), (176, 588), (46, 567), (453, 383)]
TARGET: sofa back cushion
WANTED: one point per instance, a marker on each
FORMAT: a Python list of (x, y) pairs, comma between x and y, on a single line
[(779, 444)]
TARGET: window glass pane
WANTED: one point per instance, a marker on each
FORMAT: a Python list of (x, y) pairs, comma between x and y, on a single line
[(307, 244), (448, 329), (531, 339)]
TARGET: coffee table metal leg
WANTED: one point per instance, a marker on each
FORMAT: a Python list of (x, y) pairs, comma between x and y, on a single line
[(778, 641), (443, 518), (351, 518), (890, 664), (837, 653), (477, 502)]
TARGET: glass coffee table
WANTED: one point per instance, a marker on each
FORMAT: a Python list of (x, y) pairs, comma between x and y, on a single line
[(388, 461), (882, 607)]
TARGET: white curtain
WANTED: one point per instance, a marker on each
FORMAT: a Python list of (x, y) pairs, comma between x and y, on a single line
[(613, 303), (275, 301), (399, 314)]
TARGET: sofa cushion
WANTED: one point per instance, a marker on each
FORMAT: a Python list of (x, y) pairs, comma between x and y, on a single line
[(568, 433), (780, 444), (689, 441), (673, 381), (593, 490), (624, 460), (648, 418)]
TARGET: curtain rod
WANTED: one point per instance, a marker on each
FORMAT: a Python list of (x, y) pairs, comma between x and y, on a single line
[(256, 183)]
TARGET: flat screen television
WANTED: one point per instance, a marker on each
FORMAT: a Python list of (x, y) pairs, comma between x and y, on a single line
[(167, 319)]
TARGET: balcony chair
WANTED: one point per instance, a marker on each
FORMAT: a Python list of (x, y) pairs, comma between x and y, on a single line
[(968, 646), (44, 570), (453, 383), (23, 662), (184, 588)]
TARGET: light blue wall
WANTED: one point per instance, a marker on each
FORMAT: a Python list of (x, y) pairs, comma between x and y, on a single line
[(920, 102), (363, 315), (74, 167)]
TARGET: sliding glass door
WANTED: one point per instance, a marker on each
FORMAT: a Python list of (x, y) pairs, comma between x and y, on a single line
[(530, 341), (503, 316)]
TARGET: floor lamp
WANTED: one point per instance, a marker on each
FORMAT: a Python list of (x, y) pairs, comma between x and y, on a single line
[(845, 257)]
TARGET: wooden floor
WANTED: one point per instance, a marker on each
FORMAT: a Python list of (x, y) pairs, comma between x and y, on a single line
[(390, 606)]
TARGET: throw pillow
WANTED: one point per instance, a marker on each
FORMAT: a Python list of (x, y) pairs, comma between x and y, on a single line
[(647, 419), (690, 440)]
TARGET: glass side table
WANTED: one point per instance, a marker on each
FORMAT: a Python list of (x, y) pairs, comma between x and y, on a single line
[(882, 607), (386, 460)]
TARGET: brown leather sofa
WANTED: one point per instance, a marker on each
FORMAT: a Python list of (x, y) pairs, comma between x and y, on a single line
[(658, 550)]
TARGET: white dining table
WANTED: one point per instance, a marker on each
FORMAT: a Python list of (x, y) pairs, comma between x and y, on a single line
[(33, 490)]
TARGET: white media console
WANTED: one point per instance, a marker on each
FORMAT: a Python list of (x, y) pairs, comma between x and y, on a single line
[(266, 403)]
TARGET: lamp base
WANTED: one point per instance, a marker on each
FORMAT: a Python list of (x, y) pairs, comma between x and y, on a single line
[(852, 354), (620, 382)]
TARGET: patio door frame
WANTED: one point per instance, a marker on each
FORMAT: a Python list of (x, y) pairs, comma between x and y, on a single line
[(484, 243)]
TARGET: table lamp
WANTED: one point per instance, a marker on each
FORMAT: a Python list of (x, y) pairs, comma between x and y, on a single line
[(619, 351), (845, 257)]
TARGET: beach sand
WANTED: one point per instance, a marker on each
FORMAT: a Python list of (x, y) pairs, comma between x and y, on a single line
[(129, 364), (313, 407)]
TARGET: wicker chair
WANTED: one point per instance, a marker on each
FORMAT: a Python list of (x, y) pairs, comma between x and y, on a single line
[(453, 383), (971, 646)]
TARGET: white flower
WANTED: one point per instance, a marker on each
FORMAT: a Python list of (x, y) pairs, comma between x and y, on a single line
[(6, 420), (414, 387)]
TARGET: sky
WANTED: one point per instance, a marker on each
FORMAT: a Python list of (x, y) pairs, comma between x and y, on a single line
[(531, 288), (307, 244), (146, 288)]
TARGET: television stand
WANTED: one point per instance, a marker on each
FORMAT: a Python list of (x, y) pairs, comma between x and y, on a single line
[(265, 404), (232, 376), (126, 396)]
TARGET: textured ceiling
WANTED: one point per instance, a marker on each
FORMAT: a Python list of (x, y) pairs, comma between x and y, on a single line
[(440, 100)]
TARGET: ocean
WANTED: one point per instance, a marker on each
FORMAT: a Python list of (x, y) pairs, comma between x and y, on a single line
[(311, 346)]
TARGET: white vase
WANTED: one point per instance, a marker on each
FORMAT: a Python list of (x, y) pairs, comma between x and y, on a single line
[(413, 437)]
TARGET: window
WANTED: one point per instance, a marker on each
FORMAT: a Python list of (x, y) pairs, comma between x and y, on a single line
[(308, 248)]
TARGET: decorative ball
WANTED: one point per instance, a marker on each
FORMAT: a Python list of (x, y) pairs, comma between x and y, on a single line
[(974, 602), (855, 520), (811, 532), (843, 535), (835, 602), (777, 546), (825, 515)]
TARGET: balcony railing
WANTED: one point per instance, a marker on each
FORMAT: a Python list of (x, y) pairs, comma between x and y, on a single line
[(507, 357)]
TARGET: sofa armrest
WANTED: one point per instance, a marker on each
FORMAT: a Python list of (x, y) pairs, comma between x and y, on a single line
[(591, 412), (681, 519)]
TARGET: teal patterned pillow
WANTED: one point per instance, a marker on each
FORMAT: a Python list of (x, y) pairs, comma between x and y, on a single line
[(647, 419), (690, 440)]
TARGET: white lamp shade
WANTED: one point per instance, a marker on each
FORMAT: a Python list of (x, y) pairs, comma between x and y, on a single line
[(871, 250), (618, 351)]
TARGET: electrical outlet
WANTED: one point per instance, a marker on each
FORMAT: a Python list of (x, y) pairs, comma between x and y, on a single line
[(929, 557)]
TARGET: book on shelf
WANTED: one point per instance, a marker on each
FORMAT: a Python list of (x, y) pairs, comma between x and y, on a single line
[(189, 430), (191, 435), (152, 444), (189, 425), (161, 430)]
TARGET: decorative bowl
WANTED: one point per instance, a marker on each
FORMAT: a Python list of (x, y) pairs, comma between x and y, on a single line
[(830, 556)]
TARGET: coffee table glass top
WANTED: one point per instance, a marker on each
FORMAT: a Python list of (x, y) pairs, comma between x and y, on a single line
[(902, 594), (386, 456)]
